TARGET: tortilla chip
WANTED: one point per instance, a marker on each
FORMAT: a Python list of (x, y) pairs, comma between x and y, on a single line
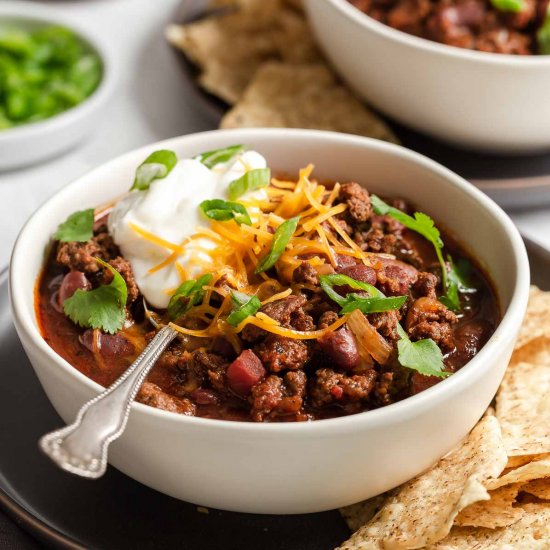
[(423, 510), (537, 318), (229, 47), (534, 470), (531, 532), (523, 409), (538, 487), (496, 512), (356, 515), (520, 460), (303, 96)]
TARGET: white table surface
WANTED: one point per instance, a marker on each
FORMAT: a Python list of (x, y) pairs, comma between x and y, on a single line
[(148, 105)]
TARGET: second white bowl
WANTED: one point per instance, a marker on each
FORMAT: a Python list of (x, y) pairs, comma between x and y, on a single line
[(477, 100)]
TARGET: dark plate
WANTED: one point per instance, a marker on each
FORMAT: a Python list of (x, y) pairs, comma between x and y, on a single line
[(115, 511), (515, 182)]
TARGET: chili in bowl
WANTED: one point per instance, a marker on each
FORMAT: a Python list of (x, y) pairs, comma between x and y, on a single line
[(346, 314)]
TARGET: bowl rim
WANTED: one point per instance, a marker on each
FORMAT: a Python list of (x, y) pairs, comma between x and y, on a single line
[(362, 19), (396, 412), (48, 15)]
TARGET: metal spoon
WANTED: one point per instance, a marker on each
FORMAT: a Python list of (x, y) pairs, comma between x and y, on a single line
[(81, 447)]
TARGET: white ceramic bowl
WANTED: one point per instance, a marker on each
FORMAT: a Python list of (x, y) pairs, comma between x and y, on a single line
[(37, 141), (476, 100), (293, 467)]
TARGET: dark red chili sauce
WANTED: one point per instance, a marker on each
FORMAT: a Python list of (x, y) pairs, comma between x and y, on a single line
[(276, 378)]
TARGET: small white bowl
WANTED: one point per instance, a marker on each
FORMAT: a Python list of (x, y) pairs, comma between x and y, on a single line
[(37, 141), (285, 468), (476, 100)]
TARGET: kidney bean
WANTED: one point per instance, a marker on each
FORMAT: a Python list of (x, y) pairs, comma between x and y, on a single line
[(108, 345), (341, 347), (73, 281)]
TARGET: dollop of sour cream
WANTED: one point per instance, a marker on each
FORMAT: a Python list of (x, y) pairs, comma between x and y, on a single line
[(169, 209)]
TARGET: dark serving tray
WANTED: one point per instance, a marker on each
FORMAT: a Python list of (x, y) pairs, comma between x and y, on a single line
[(64, 511), (514, 182)]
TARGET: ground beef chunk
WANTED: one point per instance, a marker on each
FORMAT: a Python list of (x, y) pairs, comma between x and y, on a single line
[(327, 318), (329, 387), (358, 200), (341, 348), (305, 273), (396, 277), (150, 394), (81, 256), (288, 311), (125, 269), (425, 285), (385, 323), (429, 318), (213, 368), (279, 353), (384, 235), (274, 396), (383, 387)]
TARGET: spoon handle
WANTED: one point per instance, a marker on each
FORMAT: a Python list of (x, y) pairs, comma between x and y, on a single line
[(81, 447)]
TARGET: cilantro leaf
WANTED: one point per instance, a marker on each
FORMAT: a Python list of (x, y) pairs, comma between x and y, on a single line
[(156, 166), (243, 306), (188, 295), (217, 156), (218, 209), (543, 34), (423, 356), (457, 282), (103, 308), (78, 227), (424, 225)]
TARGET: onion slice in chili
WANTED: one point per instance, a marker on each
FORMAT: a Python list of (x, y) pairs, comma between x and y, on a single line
[(368, 339)]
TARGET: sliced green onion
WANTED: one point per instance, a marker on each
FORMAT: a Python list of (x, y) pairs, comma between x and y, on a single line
[(217, 156), (374, 303), (281, 238), (371, 304), (189, 294), (252, 180), (513, 6), (156, 166), (243, 306), (220, 210)]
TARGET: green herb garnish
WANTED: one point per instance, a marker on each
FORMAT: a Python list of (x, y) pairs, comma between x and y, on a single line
[(189, 294), (281, 238), (103, 308), (243, 306), (252, 180), (512, 6), (78, 227), (423, 356), (458, 281), (376, 302), (156, 166), (220, 210), (423, 224), (43, 72), (211, 158), (543, 34)]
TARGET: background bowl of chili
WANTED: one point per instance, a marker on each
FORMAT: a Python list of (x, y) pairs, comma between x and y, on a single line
[(293, 467), (31, 141), (476, 100)]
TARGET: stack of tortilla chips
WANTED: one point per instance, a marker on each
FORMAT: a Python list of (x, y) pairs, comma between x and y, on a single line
[(493, 492), (259, 56)]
